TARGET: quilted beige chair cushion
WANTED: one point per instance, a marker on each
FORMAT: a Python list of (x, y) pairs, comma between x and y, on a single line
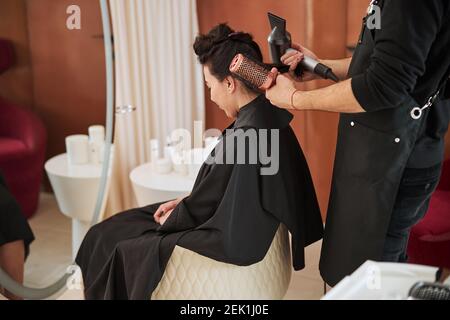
[(190, 275)]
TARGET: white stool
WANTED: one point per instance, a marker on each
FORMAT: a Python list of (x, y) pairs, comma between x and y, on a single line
[(191, 276)]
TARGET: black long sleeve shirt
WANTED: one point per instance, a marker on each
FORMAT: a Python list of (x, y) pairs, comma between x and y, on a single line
[(411, 56)]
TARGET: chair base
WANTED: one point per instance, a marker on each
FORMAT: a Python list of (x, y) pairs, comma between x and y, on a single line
[(191, 276)]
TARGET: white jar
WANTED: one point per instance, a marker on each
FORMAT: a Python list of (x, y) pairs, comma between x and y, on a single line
[(77, 148), (163, 166), (97, 133), (179, 164)]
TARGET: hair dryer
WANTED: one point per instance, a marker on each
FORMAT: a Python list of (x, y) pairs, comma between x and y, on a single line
[(280, 43)]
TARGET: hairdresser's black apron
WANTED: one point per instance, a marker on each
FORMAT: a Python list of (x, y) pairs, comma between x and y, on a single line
[(371, 155)]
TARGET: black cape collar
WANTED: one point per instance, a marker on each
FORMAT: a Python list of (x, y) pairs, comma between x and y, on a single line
[(261, 114)]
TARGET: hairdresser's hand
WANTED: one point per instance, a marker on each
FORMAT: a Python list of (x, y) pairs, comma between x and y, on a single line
[(281, 93), (165, 208), (292, 58)]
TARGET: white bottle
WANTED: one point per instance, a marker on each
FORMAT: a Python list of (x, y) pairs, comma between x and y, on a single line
[(96, 144), (169, 149), (154, 150)]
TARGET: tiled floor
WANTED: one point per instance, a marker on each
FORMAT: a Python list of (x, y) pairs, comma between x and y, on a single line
[(51, 255)]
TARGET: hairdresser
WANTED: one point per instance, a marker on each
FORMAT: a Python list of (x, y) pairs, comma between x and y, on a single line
[(394, 113)]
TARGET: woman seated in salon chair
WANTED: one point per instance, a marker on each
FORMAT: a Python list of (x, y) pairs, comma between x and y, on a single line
[(235, 207)]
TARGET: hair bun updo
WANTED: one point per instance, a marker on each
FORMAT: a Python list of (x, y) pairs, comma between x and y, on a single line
[(220, 45), (204, 43)]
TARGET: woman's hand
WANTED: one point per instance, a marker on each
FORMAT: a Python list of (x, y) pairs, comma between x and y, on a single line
[(165, 209), (163, 219), (293, 58)]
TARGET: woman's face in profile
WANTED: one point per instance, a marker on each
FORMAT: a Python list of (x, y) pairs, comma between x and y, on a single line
[(220, 93)]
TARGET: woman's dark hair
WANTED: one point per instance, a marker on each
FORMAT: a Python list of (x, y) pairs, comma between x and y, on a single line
[(218, 48)]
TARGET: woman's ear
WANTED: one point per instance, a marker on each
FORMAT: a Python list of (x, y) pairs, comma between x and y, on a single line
[(231, 84)]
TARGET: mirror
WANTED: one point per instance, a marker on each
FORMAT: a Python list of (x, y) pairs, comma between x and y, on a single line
[(55, 137)]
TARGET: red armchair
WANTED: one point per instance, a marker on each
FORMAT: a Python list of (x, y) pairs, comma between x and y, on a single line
[(23, 141), (429, 241)]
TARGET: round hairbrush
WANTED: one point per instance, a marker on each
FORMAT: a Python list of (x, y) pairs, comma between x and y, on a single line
[(252, 72)]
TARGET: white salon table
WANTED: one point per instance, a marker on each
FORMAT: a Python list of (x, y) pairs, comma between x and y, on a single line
[(76, 188), (151, 187)]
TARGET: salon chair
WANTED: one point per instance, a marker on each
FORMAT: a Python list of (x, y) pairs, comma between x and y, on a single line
[(191, 276)]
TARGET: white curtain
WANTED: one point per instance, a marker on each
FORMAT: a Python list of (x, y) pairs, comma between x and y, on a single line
[(157, 73)]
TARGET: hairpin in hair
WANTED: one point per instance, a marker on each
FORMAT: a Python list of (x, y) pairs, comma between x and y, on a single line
[(233, 34), (215, 43)]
